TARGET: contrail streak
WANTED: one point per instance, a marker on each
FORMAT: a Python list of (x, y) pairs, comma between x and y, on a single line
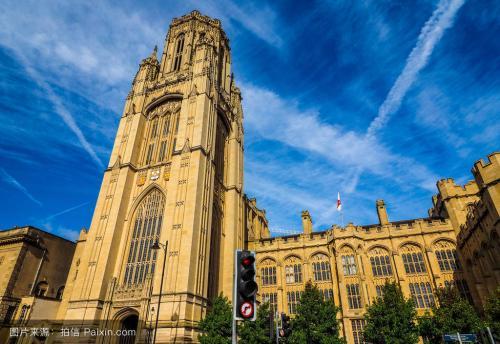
[(431, 33), (433, 30), (60, 109), (48, 218), (12, 181)]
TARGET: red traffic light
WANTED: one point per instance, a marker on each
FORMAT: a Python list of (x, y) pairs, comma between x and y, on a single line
[(247, 261)]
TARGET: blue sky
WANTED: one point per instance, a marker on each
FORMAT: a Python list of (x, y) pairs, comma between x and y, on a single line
[(375, 99)]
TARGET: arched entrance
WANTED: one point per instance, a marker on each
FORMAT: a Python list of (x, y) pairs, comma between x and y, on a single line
[(128, 329)]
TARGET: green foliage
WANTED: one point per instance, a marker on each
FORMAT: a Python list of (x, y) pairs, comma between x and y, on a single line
[(256, 332), (216, 326), (391, 318), (316, 320), (492, 312), (428, 329), (452, 314)]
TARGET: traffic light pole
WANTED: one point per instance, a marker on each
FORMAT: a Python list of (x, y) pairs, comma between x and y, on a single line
[(234, 339), (234, 334)]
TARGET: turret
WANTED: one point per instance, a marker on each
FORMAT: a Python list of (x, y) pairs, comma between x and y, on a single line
[(148, 71), (487, 176), (453, 200)]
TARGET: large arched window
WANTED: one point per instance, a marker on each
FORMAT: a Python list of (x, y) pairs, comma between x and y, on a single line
[(446, 255), (348, 258), (293, 270), (380, 262), (179, 47), (146, 223), (413, 259), (161, 133), (321, 267), (268, 272)]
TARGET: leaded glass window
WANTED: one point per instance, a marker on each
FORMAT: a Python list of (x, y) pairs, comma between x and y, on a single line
[(293, 273), (358, 325), (293, 298), (268, 274), (414, 263), (327, 294), (353, 296), (146, 222), (447, 260), (272, 298), (422, 294), (349, 265), (321, 271), (381, 265)]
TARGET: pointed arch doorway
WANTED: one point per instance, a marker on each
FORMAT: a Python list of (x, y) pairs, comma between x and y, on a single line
[(129, 329)]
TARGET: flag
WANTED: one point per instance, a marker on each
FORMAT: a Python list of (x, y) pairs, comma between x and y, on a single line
[(339, 203)]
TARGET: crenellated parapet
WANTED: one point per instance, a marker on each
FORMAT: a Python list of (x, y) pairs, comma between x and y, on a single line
[(487, 173), (291, 241), (393, 229), (197, 16), (449, 189)]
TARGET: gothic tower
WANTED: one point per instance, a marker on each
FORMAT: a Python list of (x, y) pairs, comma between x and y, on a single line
[(175, 174)]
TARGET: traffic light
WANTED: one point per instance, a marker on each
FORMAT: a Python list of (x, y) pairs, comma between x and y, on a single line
[(245, 286), (285, 326)]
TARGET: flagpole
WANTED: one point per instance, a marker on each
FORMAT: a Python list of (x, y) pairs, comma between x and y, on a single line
[(339, 209)]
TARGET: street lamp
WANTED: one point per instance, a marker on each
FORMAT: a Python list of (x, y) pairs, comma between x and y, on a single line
[(156, 246)]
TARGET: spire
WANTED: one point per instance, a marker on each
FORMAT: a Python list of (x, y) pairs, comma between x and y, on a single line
[(155, 51)]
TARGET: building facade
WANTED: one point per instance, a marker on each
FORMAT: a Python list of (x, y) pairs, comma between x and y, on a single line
[(457, 244), (175, 177), (34, 265), (478, 238)]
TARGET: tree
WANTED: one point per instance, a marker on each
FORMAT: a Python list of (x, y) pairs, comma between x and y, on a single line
[(256, 332), (217, 324), (492, 312), (451, 314), (316, 320), (391, 318), (428, 329)]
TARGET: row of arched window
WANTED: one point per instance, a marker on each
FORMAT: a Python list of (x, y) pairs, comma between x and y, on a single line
[(381, 266), (293, 271)]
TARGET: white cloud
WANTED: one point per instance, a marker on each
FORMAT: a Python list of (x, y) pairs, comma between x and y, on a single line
[(15, 183), (442, 18), (89, 48), (283, 120), (61, 110)]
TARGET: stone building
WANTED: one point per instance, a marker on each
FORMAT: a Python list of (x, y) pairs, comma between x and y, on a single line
[(457, 244), (34, 266), (478, 238), (350, 264), (175, 176)]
